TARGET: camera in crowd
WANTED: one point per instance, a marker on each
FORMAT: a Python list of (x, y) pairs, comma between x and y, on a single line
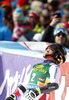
[(58, 15)]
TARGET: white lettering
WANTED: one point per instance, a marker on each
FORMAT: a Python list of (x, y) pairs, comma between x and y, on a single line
[(12, 82)]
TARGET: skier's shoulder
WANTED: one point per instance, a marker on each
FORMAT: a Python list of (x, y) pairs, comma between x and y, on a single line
[(54, 64)]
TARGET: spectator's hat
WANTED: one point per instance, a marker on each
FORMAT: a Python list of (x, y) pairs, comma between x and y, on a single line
[(36, 5), (35, 15), (6, 3), (18, 15), (60, 25), (58, 30), (37, 37), (23, 4)]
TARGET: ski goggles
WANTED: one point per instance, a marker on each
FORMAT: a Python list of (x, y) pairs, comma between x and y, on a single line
[(59, 31)]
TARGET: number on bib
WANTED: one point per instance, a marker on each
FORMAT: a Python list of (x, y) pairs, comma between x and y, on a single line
[(33, 75)]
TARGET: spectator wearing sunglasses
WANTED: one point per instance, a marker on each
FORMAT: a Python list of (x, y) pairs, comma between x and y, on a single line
[(33, 17), (48, 33), (56, 35), (60, 36)]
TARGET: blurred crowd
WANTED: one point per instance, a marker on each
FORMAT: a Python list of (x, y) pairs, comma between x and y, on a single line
[(35, 20)]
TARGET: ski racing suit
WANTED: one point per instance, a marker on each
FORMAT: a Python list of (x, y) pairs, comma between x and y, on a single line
[(42, 74)]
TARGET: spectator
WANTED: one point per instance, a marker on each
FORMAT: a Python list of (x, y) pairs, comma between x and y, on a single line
[(7, 7), (6, 21), (60, 36), (21, 28), (5, 32), (40, 21), (48, 35), (24, 6), (33, 18), (44, 19)]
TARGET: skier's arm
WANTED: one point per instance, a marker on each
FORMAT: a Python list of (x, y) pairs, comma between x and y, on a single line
[(49, 87), (33, 93), (17, 93), (55, 74)]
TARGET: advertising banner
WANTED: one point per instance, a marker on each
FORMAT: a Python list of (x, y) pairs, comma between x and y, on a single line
[(16, 62)]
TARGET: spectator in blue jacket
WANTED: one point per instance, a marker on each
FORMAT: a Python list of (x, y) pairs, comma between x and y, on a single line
[(5, 32)]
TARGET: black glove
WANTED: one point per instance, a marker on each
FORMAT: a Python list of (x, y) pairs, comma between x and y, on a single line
[(12, 97), (32, 94)]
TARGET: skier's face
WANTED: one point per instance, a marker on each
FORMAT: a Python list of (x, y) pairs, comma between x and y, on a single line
[(48, 51)]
